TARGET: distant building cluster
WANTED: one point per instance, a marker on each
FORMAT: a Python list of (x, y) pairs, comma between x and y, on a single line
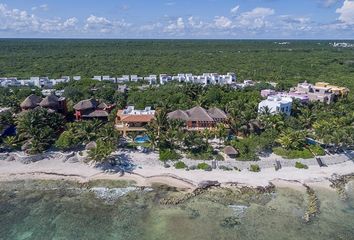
[(280, 102), (205, 78), (40, 82), (342, 45)]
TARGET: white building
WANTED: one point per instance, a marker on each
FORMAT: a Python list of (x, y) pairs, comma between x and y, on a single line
[(77, 78), (130, 110), (97, 78), (152, 79), (109, 79), (276, 104), (164, 78)]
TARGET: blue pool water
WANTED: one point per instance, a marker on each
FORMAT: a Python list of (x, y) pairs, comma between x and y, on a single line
[(141, 139)]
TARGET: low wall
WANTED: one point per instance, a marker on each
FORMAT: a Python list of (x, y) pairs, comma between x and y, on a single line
[(25, 158)]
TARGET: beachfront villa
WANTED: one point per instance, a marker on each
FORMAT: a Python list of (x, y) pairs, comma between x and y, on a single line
[(336, 90), (92, 109), (199, 118), (133, 120), (306, 92), (302, 97), (276, 104), (320, 92), (50, 102)]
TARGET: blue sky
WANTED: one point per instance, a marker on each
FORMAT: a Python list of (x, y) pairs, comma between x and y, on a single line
[(230, 19)]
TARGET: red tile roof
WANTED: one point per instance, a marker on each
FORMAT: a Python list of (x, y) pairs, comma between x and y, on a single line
[(137, 118)]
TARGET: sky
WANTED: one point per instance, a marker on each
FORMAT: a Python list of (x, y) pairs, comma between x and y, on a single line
[(174, 19)]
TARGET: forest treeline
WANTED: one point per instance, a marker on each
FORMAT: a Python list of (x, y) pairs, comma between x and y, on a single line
[(258, 60)]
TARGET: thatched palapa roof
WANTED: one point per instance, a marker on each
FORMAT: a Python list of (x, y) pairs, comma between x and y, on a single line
[(31, 101), (50, 101), (199, 114), (86, 104), (178, 115), (217, 113), (230, 151), (96, 114), (102, 106)]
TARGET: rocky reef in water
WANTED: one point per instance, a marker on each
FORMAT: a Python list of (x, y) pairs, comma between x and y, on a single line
[(339, 183)]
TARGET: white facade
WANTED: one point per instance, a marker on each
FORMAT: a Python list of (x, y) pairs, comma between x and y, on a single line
[(130, 110), (276, 104), (97, 78), (164, 78)]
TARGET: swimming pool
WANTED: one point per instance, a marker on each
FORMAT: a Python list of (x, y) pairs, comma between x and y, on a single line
[(141, 139)]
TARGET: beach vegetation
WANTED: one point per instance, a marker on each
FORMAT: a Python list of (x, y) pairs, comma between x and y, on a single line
[(39, 129), (180, 165), (11, 142), (102, 151), (254, 168), (301, 165), (204, 166), (168, 155), (225, 168), (67, 140), (293, 154)]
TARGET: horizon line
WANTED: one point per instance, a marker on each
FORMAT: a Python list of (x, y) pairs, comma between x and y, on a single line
[(175, 39)]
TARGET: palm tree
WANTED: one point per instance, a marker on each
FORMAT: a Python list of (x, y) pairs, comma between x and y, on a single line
[(102, 151), (153, 140), (207, 134), (11, 142), (307, 118), (221, 132), (290, 139), (160, 120)]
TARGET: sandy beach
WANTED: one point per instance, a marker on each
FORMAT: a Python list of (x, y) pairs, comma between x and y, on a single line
[(149, 170)]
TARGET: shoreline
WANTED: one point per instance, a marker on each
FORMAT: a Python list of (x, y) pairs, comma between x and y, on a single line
[(287, 177)]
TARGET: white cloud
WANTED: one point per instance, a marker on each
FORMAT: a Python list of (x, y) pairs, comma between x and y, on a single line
[(294, 24), (170, 4), (195, 23), (43, 7), (256, 18), (346, 12), (234, 10), (15, 20), (103, 25), (222, 22), (175, 26)]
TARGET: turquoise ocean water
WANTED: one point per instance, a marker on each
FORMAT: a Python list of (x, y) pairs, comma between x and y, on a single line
[(63, 210)]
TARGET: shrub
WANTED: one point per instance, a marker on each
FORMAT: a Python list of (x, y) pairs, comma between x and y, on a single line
[(219, 157), (255, 168), (200, 156), (168, 154), (180, 165), (301, 165), (193, 167), (66, 141), (317, 150), (293, 154), (225, 168), (204, 166)]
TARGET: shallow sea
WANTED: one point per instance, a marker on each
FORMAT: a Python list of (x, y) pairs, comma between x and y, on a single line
[(64, 210)]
